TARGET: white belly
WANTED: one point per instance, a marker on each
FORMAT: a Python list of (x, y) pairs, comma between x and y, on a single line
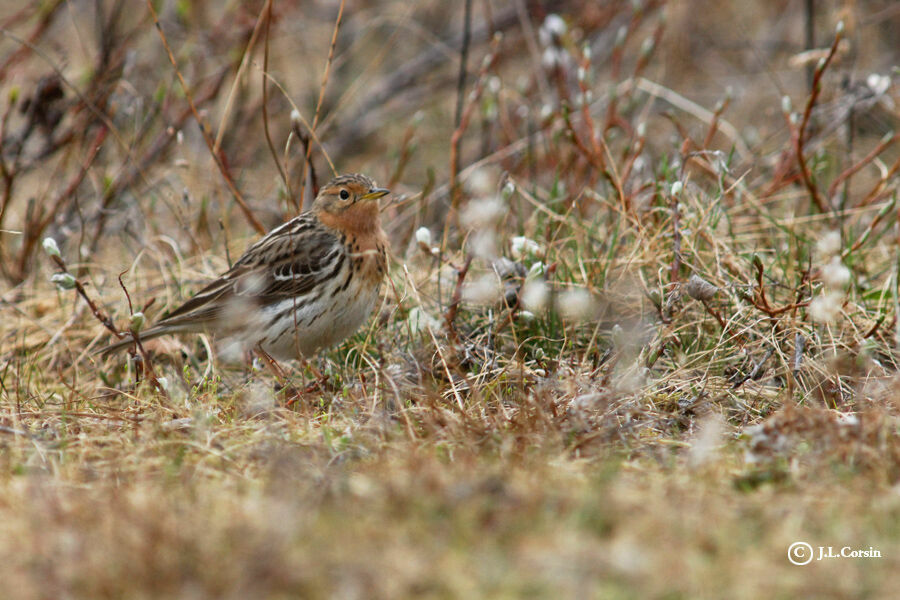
[(322, 323)]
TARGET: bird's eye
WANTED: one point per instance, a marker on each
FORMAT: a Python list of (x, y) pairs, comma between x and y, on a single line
[(344, 194)]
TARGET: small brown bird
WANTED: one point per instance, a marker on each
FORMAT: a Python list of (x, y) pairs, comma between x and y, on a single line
[(306, 285)]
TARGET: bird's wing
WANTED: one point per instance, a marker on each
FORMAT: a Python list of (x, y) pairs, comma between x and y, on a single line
[(288, 262)]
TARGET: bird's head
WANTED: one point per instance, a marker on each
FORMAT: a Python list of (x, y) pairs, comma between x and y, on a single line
[(349, 202)]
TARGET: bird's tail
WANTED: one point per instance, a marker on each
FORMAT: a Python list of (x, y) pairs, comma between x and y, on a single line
[(153, 332)]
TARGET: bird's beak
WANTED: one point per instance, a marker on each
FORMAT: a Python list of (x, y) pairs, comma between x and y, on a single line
[(375, 194)]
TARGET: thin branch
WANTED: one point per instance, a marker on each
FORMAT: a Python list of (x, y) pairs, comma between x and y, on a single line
[(209, 142), (98, 313), (463, 62), (456, 138), (245, 59), (453, 308), (265, 110), (799, 134), (325, 75), (855, 168)]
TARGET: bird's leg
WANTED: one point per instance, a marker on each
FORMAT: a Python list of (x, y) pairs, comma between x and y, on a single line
[(273, 364), (292, 393), (321, 379)]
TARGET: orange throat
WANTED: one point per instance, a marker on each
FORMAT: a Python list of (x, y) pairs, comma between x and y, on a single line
[(360, 226), (361, 219)]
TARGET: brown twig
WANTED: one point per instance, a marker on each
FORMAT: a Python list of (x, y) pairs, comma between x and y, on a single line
[(868, 231), (48, 15), (594, 135), (368, 114), (229, 100), (453, 308), (760, 288), (809, 35), (36, 226), (325, 74), (217, 158), (406, 150), (463, 62), (648, 48), (595, 159), (615, 67), (307, 153), (877, 190), (799, 133), (162, 141), (715, 314), (874, 329), (675, 269), (633, 155), (761, 303), (714, 123), (855, 168), (149, 371), (455, 139), (98, 313), (265, 110)]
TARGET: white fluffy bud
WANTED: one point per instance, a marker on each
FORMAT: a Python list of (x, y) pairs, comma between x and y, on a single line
[(577, 304), (786, 105), (50, 246), (522, 247), (63, 281), (137, 321), (835, 275), (483, 291), (829, 244), (534, 296), (423, 237), (825, 308)]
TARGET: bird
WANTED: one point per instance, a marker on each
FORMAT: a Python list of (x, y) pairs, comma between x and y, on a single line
[(305, 286)]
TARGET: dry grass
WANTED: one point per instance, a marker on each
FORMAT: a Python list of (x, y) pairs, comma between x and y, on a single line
[(689, 365)]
